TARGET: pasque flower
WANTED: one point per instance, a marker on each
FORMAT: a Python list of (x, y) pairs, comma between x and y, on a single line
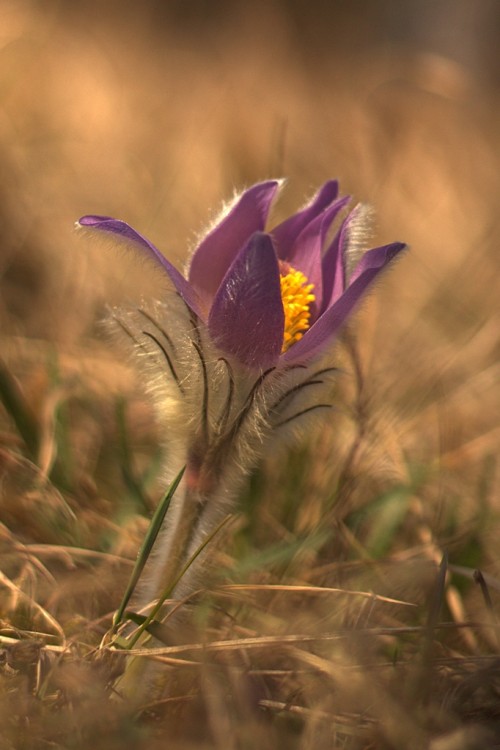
[(270, 297), (236, 353)]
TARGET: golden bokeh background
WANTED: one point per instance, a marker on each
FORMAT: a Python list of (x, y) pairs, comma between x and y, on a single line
[(155, 112)]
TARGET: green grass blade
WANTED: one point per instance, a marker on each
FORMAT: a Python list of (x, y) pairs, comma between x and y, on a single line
[(146, 547), (62, 471), (165, 595), (15, 403)]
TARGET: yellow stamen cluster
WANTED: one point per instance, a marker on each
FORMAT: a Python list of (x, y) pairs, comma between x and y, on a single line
[(297, 297)]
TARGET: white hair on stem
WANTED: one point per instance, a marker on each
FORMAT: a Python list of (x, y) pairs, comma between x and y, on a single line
[(217, 418)]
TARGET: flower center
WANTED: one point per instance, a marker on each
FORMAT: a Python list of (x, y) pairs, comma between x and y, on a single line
[(296, 295)]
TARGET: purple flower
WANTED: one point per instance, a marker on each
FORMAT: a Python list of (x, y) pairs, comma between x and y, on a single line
[(229, 356), (270, 297)]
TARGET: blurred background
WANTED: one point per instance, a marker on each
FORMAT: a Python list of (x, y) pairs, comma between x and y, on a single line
[(155, 112)]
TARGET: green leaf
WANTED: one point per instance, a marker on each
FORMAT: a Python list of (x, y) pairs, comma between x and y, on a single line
[(146, 547)]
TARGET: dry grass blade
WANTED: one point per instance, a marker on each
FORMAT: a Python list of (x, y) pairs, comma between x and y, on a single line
[(31, 603), (314, 590)]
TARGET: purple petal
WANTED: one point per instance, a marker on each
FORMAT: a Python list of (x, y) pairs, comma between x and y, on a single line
[(333, 265), (376, 259), (306, 253), (330, 322), (220, 247), (247, 318), (125, 232), (285, 234)]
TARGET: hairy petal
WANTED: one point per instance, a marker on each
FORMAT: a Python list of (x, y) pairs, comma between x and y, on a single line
[(358, 240), (247, 318), (123, 231), (331, 321), (285, 234), (220, 247), (306, 253), (376, 259), (333, 265)]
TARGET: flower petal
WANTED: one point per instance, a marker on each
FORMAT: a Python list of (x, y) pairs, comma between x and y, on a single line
[(331, 321), (333, 265), (124, 231), (247, 318), (306, 252), (220, 247), (374, 260), (285, 234)]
